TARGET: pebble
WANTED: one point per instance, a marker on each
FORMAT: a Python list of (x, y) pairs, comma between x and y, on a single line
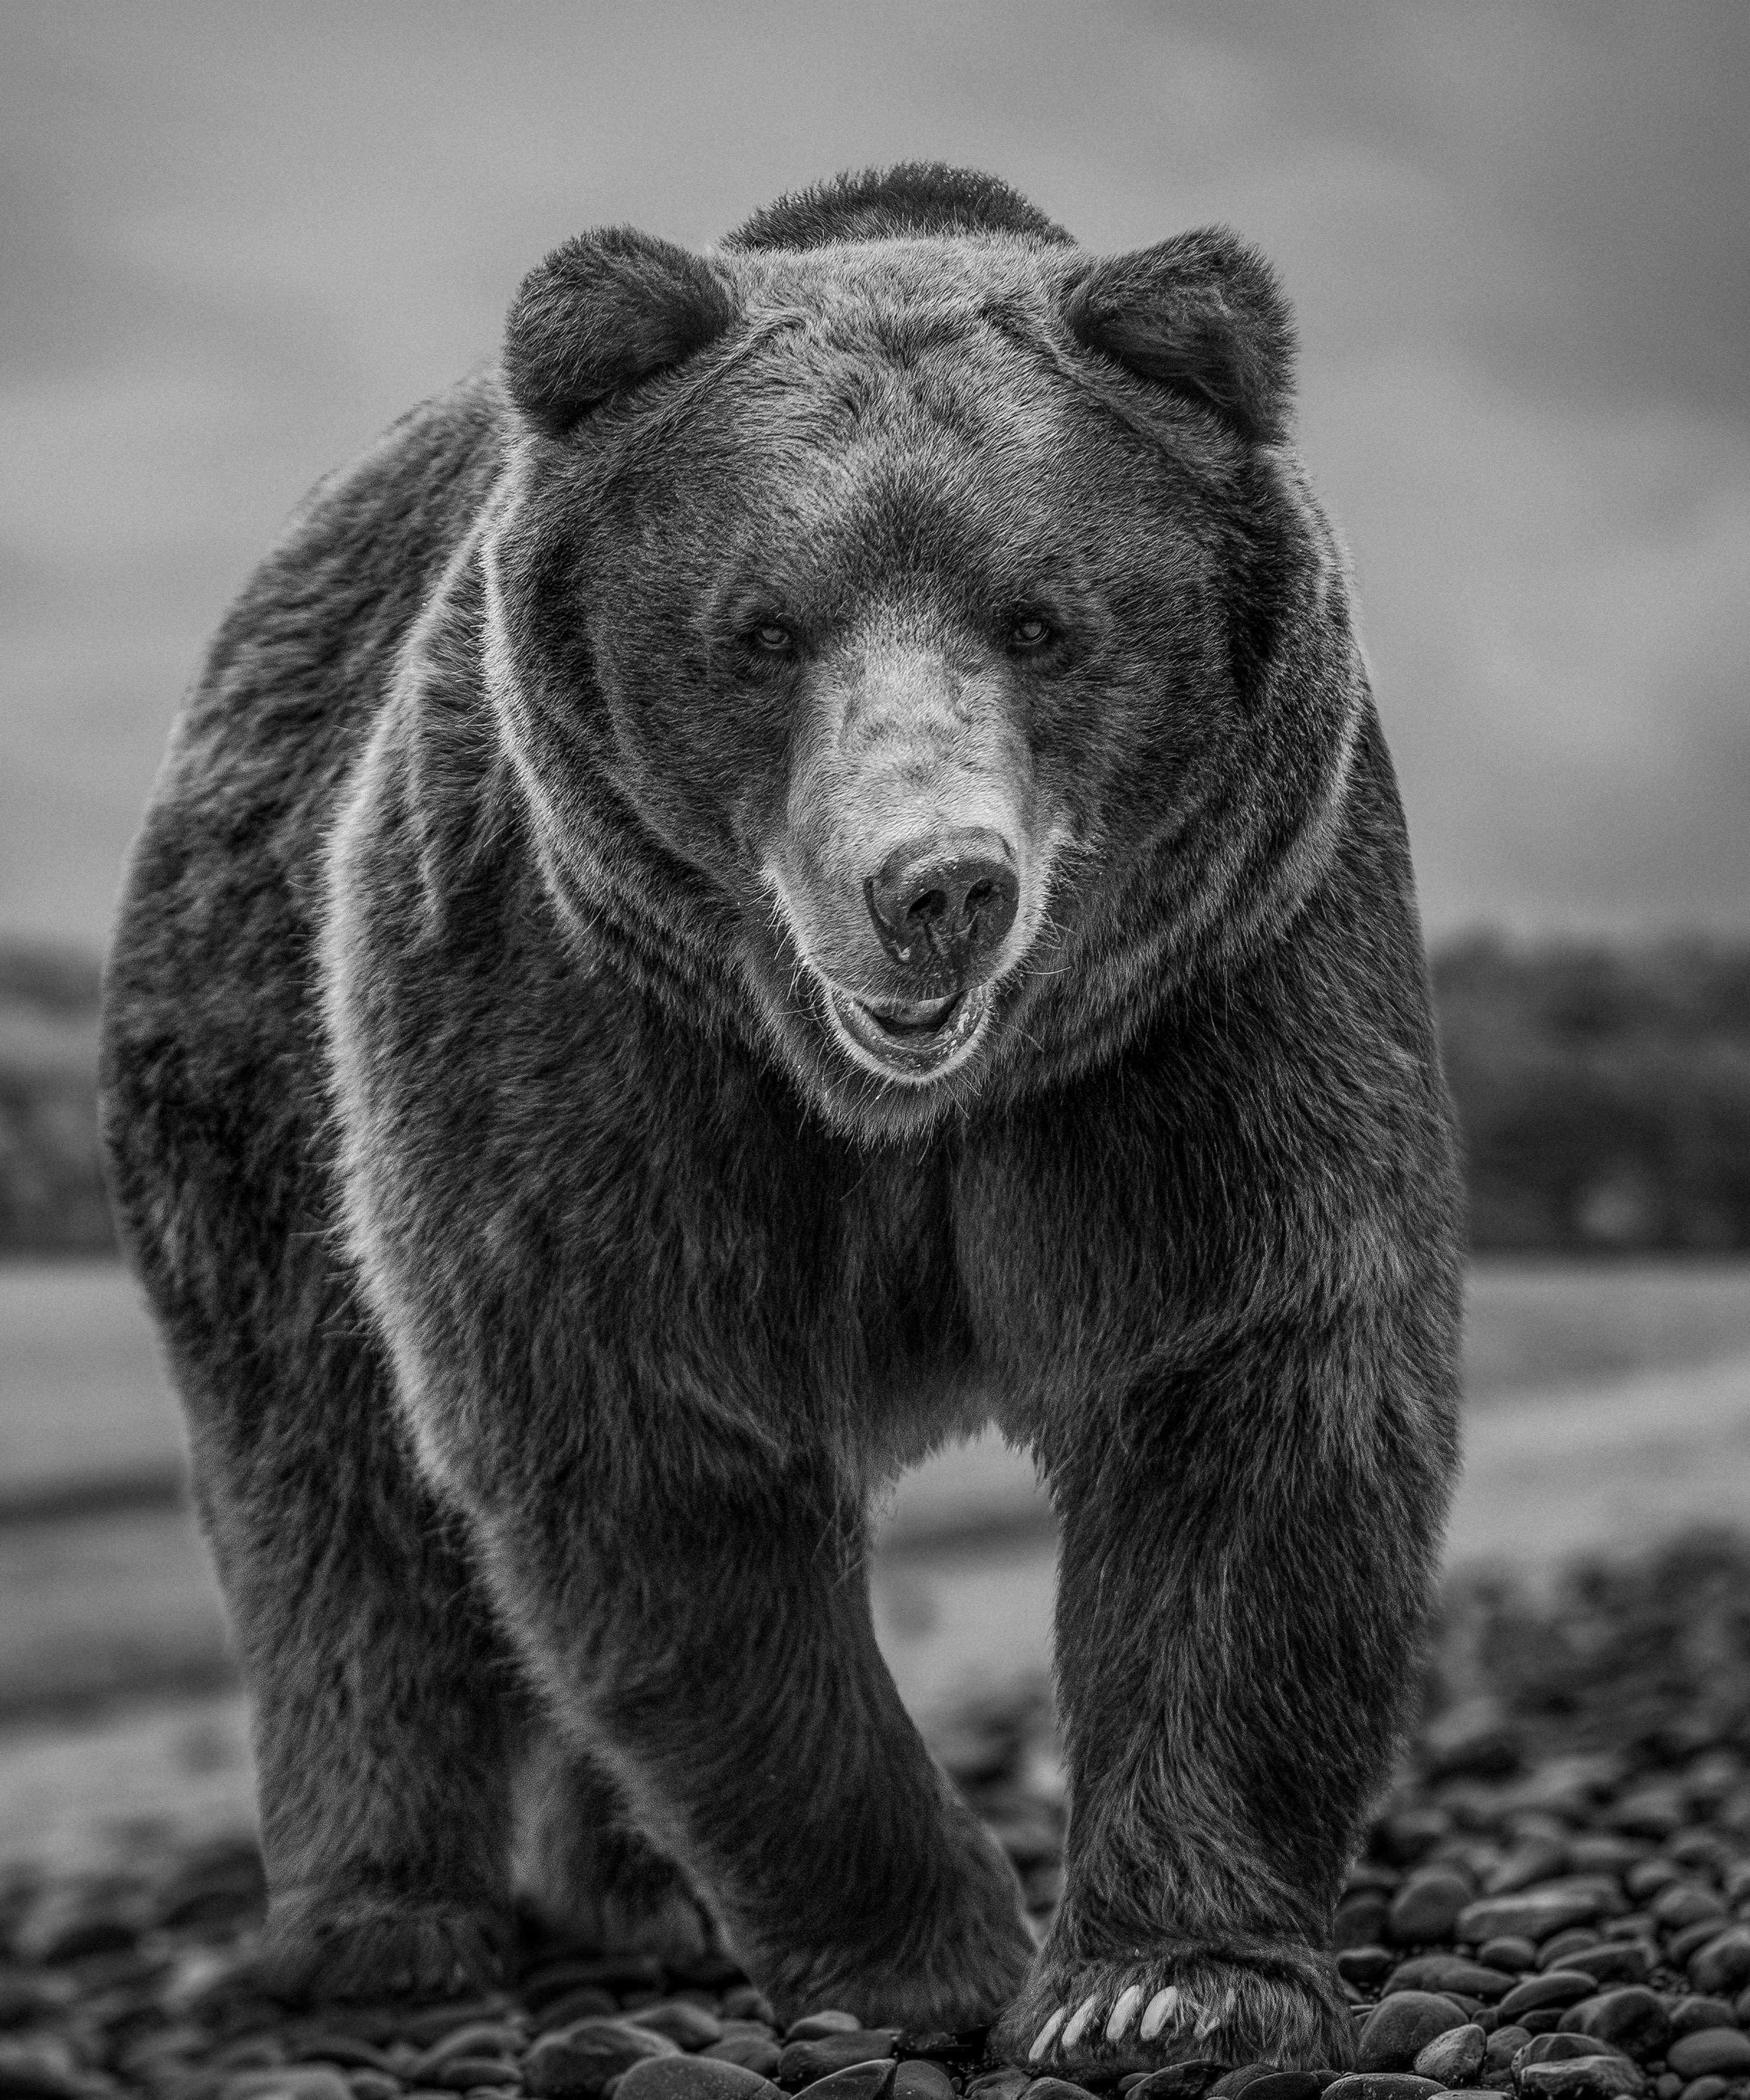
[(1504, 2044), (1401, 2027), (1555, 1952), (1693, 2015), (1582, 2078), (921, 2080), (1368, 1967), (1723, 1962), (754, 2052), (1274, 2083), (1683, 1903), (1451, 1973), (686, 2026), (462, 2074), (584, 2001), (1615, 1961), (819, 2056), (1004, 2084), (1057, 2088), (1190, 2080), (1508, 1954), (1633, 2018), (309, 2082), (1536, 1859), (1534, 1915), (478, 2038), (1381, 2085), (1725, 2050), (1554, 1990), (1427, 1909), (1454, 2057), (1709, 2087), (581, 2059), (814, 2026), (690, 2078), (868, 2080)]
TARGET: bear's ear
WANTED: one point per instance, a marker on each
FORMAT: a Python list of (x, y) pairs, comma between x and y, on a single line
[(1201, 313), (607, 309)]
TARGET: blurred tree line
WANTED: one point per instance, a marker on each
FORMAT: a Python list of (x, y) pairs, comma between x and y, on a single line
[(1604, 1093)]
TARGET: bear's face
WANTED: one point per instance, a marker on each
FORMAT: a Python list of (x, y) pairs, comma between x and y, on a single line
[(880, 645)]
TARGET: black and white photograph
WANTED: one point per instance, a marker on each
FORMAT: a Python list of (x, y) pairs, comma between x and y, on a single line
[(874, 1050)]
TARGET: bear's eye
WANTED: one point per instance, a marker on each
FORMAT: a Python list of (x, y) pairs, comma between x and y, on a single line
[(1030, 632), (771, 638)]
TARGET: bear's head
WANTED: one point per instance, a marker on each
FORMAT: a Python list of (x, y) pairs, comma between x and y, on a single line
[(911, 633)]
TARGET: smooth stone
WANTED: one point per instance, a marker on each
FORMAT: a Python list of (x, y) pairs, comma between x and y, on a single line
[(1512, 1956), (686, 2026), (1709, 2087), (752, 2052), (744, 2002), (1360, 1920), (1189, 2080), (1582, 2078), (1454, 2057), (1545, 2020), (1633, 2018), (1723, 2049), (921, 2080), (805, 2062), (1400, 2027), (1365, 1967), (1381, 2085), (1693, 2015), (1427, 1909), (1684, 1903), (1239, 2080), (478, 2038), (1535, 1915), (942, 2046), (691, 2078), (1615, 1961), (1004, 2084), (813, 2026), (1451, 1973), (582, 2001), (348, 2050), (1646, 1877), (1555, 1989), (312, 2082), (582, 2058), (462, 2073), (1052, 2087), (1504, 2044), (1558, 2048), (374, 2084), (1277, 2084), (1555, 1952), (1681, 1946), (1722, 1963), (1535, 1860), (867, 2080)]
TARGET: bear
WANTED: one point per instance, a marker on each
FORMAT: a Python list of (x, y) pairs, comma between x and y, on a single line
[(802, 866)]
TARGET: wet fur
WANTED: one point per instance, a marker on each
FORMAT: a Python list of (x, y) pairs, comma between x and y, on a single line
[(547, 1296)]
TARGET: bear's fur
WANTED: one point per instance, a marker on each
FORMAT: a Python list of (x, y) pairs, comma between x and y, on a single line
[(807, 865)]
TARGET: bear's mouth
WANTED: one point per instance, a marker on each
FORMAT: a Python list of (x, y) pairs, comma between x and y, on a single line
[(917, 1040)]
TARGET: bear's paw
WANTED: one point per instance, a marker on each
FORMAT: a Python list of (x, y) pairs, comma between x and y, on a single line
[(1275, 2003), (368, 1947)]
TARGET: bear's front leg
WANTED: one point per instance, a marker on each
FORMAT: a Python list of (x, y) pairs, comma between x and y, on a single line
[(714, 1649), (1245, 1567)]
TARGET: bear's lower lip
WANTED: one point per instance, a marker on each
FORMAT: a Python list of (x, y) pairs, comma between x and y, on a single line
[(918, 1040)]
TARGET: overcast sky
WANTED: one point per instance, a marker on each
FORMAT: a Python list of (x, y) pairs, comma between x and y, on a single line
[(236, 240)]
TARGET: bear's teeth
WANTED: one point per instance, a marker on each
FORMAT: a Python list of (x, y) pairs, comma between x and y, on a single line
[(1123, 2012)]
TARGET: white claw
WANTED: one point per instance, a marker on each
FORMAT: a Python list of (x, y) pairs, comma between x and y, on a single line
[(1043, 2041), (1162, 2008), (1078, 2026), (1124, 2012)]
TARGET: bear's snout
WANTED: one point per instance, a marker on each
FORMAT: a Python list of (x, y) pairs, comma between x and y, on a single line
[(946, 901)]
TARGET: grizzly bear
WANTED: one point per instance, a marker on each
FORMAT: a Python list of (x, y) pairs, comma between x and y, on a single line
[(805, 865)]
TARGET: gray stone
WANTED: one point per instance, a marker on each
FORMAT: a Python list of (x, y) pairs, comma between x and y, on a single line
[(1725, 2050), (1426, 1908), (1454, 2057), (868, 2080), (805, 2062), (1605, 2077), (1381, 2085), (1633, 2018), (1533, 1915), (686, 2025), (1549, 1993), (1189, 2080), (753, 2052), (919, 2079), (1449, 1973), (812, 2027), (692, 2078), (1401, 2027), (1723, 1962), (581, 2059)]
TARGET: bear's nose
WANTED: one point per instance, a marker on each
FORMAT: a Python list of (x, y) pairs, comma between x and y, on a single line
[(947, 899)]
